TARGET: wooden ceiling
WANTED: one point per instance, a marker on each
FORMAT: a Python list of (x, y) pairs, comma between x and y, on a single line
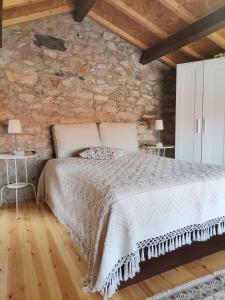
[(143, 23)]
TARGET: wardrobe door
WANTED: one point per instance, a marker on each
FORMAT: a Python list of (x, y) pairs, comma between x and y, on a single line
[(189, 111), (214, 112)]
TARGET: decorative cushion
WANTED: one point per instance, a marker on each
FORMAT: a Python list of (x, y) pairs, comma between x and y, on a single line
[(102, 153), (119, 135), (70, 139)]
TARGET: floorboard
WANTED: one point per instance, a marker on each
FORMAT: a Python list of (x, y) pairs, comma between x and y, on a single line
[(39, 261)]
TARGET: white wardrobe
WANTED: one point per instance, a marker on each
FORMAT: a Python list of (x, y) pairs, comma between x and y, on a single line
[(200, 112)]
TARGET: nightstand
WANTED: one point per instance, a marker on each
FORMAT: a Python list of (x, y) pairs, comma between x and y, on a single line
[(13, 159), (160, 151)]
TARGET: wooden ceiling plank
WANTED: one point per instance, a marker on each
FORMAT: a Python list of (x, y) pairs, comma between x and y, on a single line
[(1, 9), (193, 32), (34, 7), (115, 16), (130, 12), (185, 15), (191, 52), (15, 3), (166, 60), (178, 10), (217, 39), (35, 10), (123, 34), (82, 9), (38, 15)]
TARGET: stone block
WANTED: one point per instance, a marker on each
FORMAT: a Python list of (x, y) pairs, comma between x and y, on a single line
[(112, 46), (21, 77), (50, 53), (80, 68), (101, 98), (108, 36)]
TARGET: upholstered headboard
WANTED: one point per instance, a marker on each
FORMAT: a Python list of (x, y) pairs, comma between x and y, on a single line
[(71, 138), (119, 135)]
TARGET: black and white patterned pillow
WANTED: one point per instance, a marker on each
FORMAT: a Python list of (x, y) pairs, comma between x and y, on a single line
[(102, 153)]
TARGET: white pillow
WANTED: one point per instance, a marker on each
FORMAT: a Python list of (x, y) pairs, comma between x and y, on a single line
[(70, 139), (102, 153), (119, 135)]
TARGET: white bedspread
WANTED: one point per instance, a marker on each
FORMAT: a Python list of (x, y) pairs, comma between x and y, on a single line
[(116, 208)]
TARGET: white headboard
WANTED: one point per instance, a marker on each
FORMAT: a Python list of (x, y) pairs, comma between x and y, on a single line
[(69, 139), (119, 135)]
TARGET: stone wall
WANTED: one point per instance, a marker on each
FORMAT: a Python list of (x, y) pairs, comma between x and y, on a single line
[(97, 78)]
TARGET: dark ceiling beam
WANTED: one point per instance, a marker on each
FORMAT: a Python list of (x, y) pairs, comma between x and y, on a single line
[(82, 8), (188, 35), (1, 9)]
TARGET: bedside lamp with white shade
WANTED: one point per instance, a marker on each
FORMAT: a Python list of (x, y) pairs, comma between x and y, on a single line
[(14, 127), (159, 127)]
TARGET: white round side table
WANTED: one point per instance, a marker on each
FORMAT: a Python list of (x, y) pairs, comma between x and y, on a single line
[(8, 157), (157, 149)]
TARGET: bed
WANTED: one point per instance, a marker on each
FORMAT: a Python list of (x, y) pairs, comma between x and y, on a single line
[(132, 211)]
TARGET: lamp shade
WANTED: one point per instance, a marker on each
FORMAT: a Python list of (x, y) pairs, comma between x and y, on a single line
[(14, 126), (159, 125)]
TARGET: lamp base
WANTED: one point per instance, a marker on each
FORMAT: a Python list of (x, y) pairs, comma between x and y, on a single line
[(18, 153), (159, 145)]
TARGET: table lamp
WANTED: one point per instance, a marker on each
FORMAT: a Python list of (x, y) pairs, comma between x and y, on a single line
[(159, 127), (14, 127)]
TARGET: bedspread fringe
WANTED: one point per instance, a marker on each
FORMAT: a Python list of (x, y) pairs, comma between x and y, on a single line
[(130, 265)]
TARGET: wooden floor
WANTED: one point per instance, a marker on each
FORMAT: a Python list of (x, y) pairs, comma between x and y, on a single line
[(38, 260)]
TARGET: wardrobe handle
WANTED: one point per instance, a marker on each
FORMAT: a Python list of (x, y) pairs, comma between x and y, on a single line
[(198, 126), (203, 125)]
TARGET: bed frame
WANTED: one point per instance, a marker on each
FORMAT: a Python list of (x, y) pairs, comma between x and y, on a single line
[(153, 266), (177, 258)]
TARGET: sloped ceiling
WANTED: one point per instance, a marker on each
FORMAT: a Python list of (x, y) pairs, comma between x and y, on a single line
[(143, 23)]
